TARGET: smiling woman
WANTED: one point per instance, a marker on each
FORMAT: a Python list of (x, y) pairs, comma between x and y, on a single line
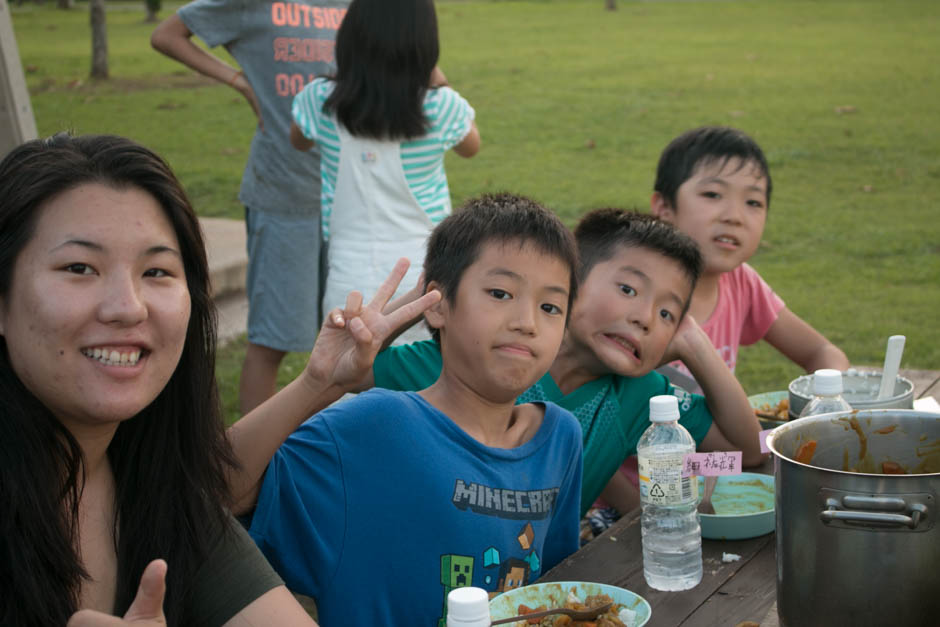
[(97, 310), (114, 466), (112, 451)]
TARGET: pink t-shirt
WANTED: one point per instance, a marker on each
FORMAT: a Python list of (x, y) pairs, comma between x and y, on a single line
[(746, 308)]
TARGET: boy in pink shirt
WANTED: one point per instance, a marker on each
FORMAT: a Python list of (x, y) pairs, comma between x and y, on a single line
[(713, 184)]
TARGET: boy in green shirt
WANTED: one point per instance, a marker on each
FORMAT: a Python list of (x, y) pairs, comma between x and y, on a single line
[(636, 278)]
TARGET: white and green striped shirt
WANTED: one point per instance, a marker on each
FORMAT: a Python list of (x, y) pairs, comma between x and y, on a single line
[(450, 117)]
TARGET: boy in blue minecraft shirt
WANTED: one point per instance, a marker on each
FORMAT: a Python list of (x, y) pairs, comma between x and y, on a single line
[(380, 505)]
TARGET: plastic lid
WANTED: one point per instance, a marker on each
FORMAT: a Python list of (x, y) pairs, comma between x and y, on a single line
[(468, 604), (827, 382), (664, 408)]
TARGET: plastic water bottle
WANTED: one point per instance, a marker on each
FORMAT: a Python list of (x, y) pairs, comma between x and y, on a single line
[(827, 394), (672, 537), (468, 607)]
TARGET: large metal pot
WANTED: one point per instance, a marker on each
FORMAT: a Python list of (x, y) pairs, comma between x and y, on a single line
[(855, 547)]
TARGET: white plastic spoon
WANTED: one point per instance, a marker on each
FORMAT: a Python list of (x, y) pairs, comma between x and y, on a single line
[(892, 362)]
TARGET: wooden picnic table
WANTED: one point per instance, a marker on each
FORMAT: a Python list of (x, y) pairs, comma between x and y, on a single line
[(729, 593), (722, 598)]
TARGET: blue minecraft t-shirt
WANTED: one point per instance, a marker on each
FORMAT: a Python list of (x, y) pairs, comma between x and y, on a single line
[(380, 505), (613, 411)]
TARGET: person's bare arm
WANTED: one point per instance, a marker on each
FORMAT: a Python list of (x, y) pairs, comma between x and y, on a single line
[(298, 140), (437, 78), (735, 426), (804, 345), (174, 39), (621, 494), (342, 356), (469, 145)]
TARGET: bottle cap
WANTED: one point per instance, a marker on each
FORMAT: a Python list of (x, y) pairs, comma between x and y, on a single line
[(468, 605), (664, 408), (827, 381)]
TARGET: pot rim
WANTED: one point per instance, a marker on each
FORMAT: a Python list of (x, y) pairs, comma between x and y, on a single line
[(858, 413), (852, 372)]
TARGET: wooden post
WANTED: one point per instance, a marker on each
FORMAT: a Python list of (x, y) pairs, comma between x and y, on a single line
[(17, 123), (99, 39)]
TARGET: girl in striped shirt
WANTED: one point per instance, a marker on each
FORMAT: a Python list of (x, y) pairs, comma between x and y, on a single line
[(382, 125)]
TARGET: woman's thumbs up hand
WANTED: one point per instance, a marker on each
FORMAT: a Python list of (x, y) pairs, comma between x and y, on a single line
[(145, 611)]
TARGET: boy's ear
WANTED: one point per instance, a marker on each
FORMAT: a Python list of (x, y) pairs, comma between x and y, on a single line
[(661, 208), (435, 313)]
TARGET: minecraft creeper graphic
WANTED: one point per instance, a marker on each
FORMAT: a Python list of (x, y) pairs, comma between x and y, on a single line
[(456, 572)]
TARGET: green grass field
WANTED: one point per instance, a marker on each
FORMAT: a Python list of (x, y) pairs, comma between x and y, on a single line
[(574, 104)]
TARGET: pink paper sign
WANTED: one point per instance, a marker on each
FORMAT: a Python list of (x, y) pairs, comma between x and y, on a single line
[(763, 440), (712, 464)]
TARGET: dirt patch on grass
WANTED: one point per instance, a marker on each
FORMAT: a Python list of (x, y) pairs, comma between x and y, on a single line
[(126, 84)]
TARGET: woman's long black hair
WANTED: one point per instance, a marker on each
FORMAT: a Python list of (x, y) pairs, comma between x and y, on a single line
[(169, 461), (385, 52)]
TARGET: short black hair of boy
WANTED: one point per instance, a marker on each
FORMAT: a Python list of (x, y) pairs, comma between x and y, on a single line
[(456, 242), (704, 146), (601, 232)]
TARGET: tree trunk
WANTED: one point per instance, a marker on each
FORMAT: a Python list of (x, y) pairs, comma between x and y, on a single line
[(610, 5), (153, 8), (99, 40), (66, 4)]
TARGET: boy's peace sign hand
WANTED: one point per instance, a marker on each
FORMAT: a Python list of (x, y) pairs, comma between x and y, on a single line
[(351, 337), (145, 611)]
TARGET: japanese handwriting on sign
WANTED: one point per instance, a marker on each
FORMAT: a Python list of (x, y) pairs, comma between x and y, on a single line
[(712, 463)]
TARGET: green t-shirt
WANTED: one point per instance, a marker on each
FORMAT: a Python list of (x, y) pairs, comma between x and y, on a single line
[(613, 411)]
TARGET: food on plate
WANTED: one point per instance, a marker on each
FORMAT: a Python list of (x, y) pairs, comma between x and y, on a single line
[(804, 454), (780, 411), (616, 616)]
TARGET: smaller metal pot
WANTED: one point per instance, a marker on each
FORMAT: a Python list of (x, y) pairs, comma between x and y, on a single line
[(860, 389)]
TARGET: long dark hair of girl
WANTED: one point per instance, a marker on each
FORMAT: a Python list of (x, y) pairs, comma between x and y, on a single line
[(169, 461), (385, 52)]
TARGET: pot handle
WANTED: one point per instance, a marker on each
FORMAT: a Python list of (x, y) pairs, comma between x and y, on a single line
[(834, 511)]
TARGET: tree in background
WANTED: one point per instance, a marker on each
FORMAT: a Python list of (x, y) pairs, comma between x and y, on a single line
[(153, 7), (99, 40)]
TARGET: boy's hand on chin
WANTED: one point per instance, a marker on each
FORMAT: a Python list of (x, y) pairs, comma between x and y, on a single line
[(689, 339), (351, 337)]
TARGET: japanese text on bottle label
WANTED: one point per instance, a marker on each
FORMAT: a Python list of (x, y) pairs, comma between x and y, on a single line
[(661, 480)]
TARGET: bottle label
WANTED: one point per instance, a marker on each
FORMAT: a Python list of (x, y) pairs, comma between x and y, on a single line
[(661, 480)]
